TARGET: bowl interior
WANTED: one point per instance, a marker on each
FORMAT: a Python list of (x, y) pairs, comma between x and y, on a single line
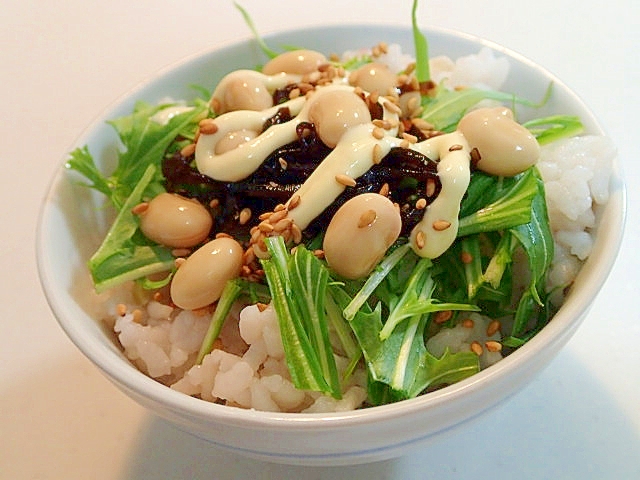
[(73, 221)]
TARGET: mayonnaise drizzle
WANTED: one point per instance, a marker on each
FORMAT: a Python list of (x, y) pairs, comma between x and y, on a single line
[(239, 163), (454, 174), (352, 156)]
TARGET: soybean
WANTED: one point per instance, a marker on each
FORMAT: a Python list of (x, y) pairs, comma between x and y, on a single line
[(506, 147), (360, 233), (374, 77), (199, 281), (296, 62), (175, 221), (334, 112)]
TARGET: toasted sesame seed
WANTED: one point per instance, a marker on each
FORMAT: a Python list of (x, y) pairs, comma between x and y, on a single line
[(468, 323), (443, 316), (493, 328), (188, 150), (179, 261), (282, 224), (262, 306), (420, 239), (493, 346), (296, 232), (294, 201), (319, 253), (208, 126), (377, 154), (279, 207), (421, 124), (378, 133), (410, 138), (248, 256), (283, 163), (121, 309), (405, 144), (305, 87), (294, 93), (475, 155), (275, 217), (476, 348), (214, 203), (410, 68), (393, 108), (402, 79), (367, 218), (455, 147), (421, 203), (140, 208), (384, 190), (255, 235), (440, 225), (345, 180), (223, 235), (466, 258), (265, 227), (158, 297), (430, 189), (137, 315), (244, 216)]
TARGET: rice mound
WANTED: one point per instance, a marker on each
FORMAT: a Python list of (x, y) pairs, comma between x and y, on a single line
[(576, 173), (247, 367), (259, 377)]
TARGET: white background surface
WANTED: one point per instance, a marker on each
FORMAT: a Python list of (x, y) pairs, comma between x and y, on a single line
[(63, 62)]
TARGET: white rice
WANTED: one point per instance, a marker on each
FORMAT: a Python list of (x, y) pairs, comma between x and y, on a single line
[(259, 378), (460, 338), (250, 370), (577, 173)]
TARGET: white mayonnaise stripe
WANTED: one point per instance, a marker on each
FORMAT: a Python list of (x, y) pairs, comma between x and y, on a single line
[(237, 164), (439, 225), (352, 157)]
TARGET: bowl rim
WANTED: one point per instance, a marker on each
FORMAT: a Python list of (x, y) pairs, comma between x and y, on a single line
[(556, 331)]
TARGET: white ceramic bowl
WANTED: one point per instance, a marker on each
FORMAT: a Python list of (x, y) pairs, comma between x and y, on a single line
[(72, 223)]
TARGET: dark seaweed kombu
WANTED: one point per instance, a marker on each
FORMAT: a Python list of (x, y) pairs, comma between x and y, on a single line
[(405, 172)]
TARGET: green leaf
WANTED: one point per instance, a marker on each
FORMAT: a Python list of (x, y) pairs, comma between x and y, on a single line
[(81, 160), (555, 127), (400, 366), (119, 258), (247, 18), (448, 369), (309, 278), (375, 278), (232, 290), (445, 110), (502, 256), (470, 246), (421, 48), (146, 142), (298, 286), (512, 209)]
